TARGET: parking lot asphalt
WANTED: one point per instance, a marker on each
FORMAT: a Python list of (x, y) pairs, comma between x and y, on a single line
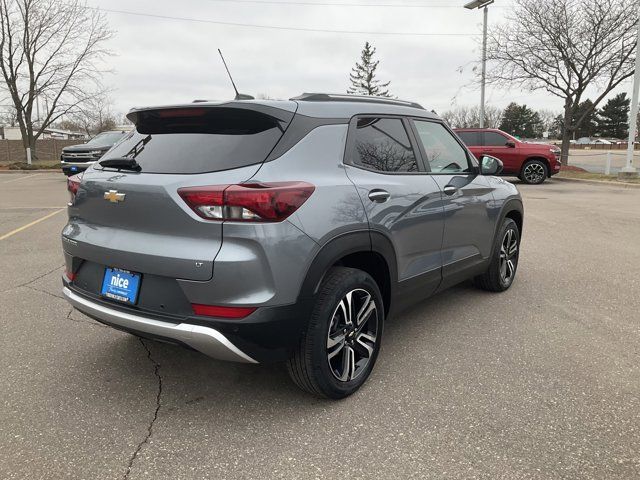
[(542, 381)]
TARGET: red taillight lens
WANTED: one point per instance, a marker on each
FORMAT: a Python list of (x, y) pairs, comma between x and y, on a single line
[(73, 183), (70, 275), (205, 201), (222, 312), (247, 202)]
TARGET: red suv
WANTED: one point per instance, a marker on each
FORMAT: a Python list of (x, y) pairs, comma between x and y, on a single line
[(531, 162)]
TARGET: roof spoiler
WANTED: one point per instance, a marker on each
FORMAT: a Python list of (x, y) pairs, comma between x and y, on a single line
[(200, 109)]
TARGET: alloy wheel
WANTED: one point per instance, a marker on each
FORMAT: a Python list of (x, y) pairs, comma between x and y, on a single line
[(534, 173), (508, 256), (352, 336)]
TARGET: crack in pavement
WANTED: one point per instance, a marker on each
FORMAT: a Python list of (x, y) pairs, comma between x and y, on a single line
[(26, 284), (156, 372), (30, 287), (84, 322)]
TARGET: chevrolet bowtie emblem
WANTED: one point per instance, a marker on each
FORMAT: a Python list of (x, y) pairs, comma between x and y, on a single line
[(113, 196)]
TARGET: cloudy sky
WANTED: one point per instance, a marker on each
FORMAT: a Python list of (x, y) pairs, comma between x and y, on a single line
[(428, 59)]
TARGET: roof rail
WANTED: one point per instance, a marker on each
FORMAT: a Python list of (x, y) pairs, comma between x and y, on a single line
[(338, 97)]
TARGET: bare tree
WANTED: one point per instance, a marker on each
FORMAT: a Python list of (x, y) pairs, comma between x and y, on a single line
[(94, 115), (565, 47), (548, 122), (9, 116), (50, 54), (469, 117)]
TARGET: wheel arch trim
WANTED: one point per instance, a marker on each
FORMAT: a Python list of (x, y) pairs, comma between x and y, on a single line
[(511, 205), (342, 246)]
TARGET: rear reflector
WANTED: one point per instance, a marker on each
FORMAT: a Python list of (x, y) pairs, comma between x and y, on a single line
[(222, 312), (247, 202)]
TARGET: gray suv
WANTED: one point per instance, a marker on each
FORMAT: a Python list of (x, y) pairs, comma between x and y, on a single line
[(262, 231)]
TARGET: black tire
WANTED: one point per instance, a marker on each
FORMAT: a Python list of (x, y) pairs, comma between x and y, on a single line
[(534, 172), (494, 279), (310, 366)]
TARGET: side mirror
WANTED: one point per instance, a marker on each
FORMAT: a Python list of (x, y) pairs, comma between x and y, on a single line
[(490, 165), (510, 144)]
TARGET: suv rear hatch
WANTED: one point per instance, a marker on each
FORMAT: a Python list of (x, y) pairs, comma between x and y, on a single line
[(130, 216)]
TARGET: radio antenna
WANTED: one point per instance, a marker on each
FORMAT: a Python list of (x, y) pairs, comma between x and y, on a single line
[(239, 96)]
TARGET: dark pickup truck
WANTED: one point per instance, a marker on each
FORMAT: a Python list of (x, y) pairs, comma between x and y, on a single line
[(77, 158)]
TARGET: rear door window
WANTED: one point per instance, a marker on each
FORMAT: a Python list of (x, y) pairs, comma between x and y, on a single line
[(382, 144), (471, 139), (200, 140)]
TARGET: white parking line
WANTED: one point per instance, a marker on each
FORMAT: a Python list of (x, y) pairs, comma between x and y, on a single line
[(38, 207), (24, 227), (22, 178)]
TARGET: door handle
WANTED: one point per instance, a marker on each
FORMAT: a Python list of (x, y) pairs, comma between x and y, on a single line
[(450, 190), (378, 195)]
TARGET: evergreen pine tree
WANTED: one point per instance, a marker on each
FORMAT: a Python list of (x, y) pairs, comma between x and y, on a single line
[(588, 127), (613, 117), (363, 75), (521, 121)]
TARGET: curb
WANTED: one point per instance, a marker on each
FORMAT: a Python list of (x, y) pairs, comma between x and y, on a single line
[(598, 182)]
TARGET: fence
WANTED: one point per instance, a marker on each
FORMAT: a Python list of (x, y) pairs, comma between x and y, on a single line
[(607, 161), (47, 150), (602, 146)]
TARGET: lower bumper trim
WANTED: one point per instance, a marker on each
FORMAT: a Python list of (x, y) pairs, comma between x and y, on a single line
[(203, 339)]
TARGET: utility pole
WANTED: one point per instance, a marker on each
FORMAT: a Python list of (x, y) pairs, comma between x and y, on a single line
[(629, 170), (482, 4)]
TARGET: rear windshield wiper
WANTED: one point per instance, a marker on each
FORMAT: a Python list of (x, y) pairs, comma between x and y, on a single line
[(122, 163)]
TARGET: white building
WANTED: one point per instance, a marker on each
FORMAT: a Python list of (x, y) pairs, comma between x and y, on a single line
[(13, 133)]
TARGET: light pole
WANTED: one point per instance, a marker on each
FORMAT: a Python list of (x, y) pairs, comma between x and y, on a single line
[(629, 170), (484, 4)]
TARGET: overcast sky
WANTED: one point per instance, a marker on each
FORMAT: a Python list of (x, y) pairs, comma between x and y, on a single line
[(158, 60)]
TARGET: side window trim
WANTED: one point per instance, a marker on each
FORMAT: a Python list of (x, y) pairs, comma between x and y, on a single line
[(420, 152), (471, 159), (349, 159)]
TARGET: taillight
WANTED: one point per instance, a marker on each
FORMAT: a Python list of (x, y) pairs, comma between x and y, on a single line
[(70, 275), (222, 312), (247, 202), (73, 184)]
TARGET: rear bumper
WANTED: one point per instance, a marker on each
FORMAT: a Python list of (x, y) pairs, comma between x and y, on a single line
[(204, 339)]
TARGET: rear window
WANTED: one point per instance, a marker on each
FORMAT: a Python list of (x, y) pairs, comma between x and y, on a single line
[(106, 139), (200, 140)]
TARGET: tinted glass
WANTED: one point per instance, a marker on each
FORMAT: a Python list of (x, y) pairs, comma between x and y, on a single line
[(444, 153), (383, 144), (471, 139), (199, 140), (493, 139), (106, 139)]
